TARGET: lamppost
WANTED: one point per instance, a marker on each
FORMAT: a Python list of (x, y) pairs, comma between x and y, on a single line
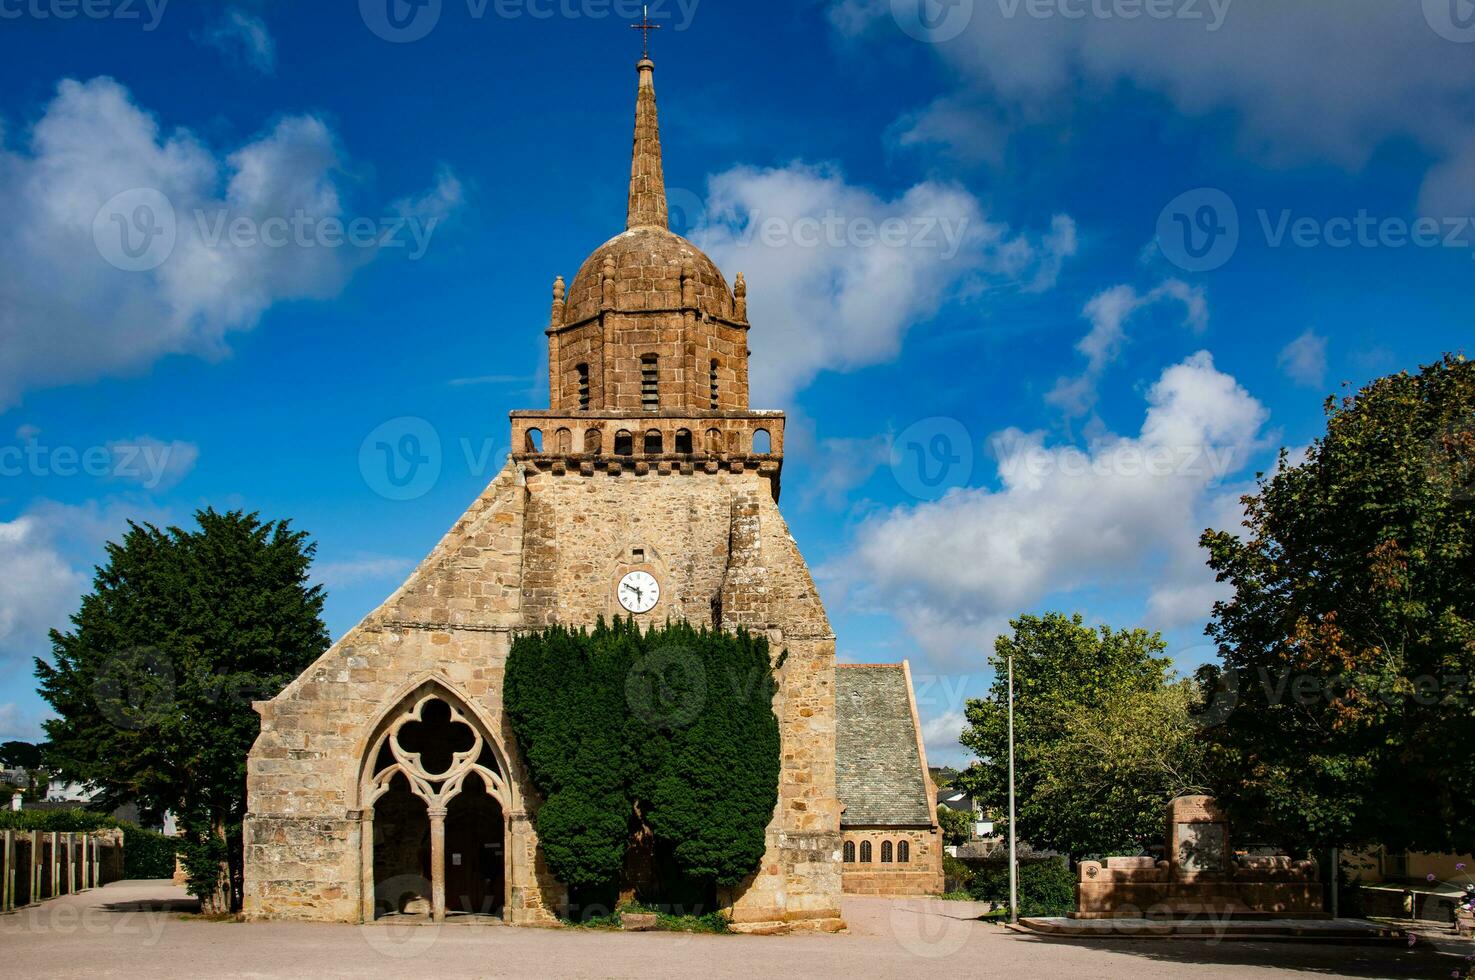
[(1013, 836)]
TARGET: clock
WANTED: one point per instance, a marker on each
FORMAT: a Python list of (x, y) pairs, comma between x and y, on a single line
[(639, 592)]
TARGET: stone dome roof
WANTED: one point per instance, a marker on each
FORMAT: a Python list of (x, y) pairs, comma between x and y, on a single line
[(647, 264)]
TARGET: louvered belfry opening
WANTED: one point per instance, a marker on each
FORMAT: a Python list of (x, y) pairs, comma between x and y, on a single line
[(712, 380), (583, 370), (650, 383)]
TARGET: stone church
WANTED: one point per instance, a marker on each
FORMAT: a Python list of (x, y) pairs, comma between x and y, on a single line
[(386, 779)]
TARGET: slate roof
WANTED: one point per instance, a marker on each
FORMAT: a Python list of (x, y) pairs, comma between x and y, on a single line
[(877, 766)]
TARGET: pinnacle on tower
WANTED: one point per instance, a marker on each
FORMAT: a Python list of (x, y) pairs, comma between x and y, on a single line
[(647, 177)]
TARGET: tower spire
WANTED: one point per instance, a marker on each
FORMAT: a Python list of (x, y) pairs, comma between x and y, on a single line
[(648, 206)]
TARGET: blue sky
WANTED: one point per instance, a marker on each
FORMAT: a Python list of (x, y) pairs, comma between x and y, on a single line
[(1131, 248)]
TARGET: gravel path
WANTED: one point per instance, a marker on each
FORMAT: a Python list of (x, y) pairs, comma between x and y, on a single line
[(140, 929)]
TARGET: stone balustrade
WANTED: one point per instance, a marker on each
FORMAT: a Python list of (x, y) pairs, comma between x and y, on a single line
[(641, 443)]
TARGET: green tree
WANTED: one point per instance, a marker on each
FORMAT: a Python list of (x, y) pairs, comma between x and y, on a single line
[(154, 683), (957, 826), (669, 731), (1104, 736), (1349, 642)]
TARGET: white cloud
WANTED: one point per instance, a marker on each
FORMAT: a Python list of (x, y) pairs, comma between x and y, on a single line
[(46, 557), (1125, 514), (1313, 79), (364, 568), (838, 274), (18, 724), (69, 314), (1304, 360), (241, 35), (1108, 313), (38, 589)]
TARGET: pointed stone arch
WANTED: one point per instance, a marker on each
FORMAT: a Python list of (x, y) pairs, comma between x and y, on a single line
[(427, 748)]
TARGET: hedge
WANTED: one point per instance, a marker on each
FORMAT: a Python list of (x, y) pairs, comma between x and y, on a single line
[(1046, 888), (146, 853)]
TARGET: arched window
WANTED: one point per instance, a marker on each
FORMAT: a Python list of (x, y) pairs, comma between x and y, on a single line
[(624, 443), (865, 852), (762, 443), (712, 380), (653, 443), (593, 442), (563, 439), (714, 440), (903, 852), (650, 383), (533, 441), (850, 852), (683, 442), (885, 852), (583, 370)]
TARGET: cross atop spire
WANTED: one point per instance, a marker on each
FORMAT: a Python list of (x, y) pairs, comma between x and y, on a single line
[(645, 27)]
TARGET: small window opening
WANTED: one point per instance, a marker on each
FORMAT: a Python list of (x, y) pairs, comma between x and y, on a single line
[(650, 383)]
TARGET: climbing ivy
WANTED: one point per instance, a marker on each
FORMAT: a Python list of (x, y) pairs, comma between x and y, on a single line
[(670, 731)]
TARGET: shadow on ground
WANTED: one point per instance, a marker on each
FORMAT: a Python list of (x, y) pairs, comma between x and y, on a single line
[(1328, 959), (182, 906)]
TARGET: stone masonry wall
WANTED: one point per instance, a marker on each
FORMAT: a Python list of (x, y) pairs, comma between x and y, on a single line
[(921, 875), (535, 550)]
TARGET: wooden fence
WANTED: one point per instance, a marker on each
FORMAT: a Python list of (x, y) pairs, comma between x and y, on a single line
[(36, 865)]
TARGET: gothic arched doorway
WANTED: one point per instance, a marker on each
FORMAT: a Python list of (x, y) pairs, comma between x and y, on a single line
[(435, 804)]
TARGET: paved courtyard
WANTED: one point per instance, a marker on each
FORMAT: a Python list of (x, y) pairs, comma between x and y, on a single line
[(136, 929)]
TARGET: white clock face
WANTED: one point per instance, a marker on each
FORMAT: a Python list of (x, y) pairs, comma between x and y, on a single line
[(639, 592)]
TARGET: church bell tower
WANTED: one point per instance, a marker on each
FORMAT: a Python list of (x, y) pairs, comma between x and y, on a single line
[(648, 350)]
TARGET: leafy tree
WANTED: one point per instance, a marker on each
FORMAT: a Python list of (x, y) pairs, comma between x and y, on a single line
[(20, 755), (957, 826), (669, 732), (1350, 638), (154, 683), (1104, 738), (26, 756)]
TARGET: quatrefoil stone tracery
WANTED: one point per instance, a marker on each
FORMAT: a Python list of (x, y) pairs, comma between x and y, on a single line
[(426, 745)]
